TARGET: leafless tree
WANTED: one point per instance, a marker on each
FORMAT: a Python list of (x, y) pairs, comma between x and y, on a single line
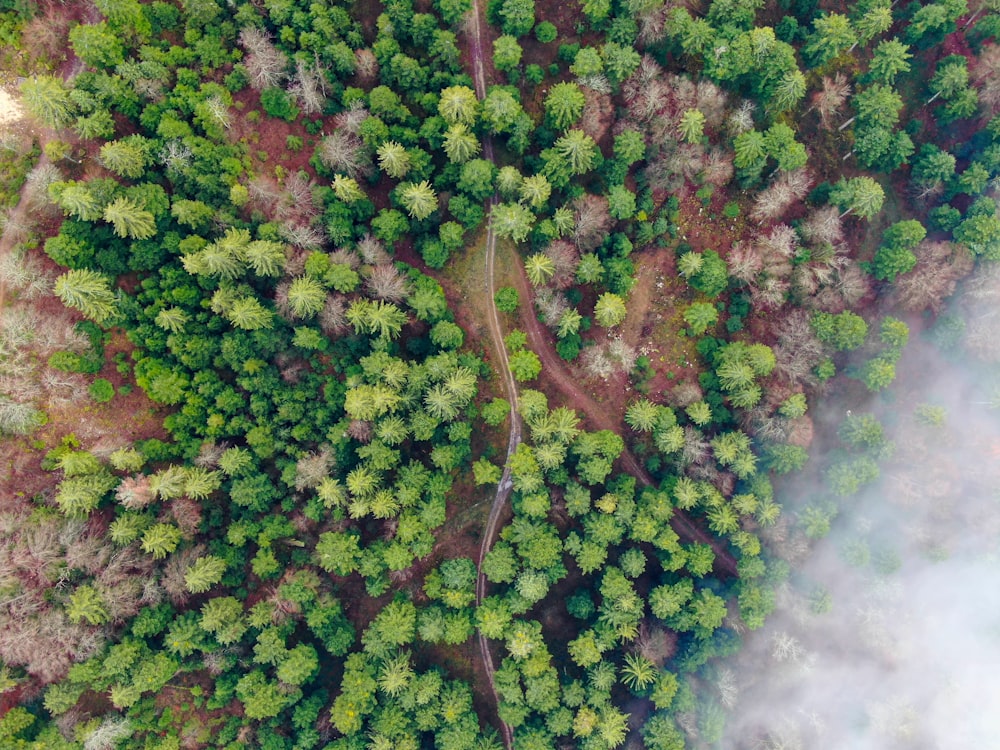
[(831, 97), (595, 361), (777, 248), (387, 283), (372, 251), (360, 430), (176, 155), (550, 305), (696, 450), (770, 293), (347, 257), (592, 221), (686, 393), (366, 66), (187, 513), (986, 77), (107, 735), (711, 101), (933, 279), (266, 65), (209, 454), (218, 111), (343, 151), (565, 258), (312, 468), (332, 319), (785, 647), (135, 492), (740, 119), (309, 87), (744, 261), (798, 350), (822, 225), (176, 566), (718, 167), (784, 190), (305, 236), (622, 354)]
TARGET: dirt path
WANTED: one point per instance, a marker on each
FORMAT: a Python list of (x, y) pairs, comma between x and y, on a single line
[(598, 416), (498, 509)]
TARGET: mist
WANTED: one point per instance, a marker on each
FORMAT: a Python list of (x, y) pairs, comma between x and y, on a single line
[(887, 631)]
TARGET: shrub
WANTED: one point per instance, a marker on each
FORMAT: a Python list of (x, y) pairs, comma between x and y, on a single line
[(546, 32), (101, 391)]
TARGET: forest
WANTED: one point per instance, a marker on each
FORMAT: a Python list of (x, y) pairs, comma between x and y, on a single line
[(462, 374)]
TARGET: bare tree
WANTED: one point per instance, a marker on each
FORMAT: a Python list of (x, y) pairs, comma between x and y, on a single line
[(135, 492), (777, 248), (387, 283), (740, 120), (822, 225), (550, 305), (770, 293), (798, 350), (986, 77), (346, 257), (343, 151), (592, 221), (933, 279), (366, 66), (744, 261), (309, 87), (332, 318), (372, 251), (718, 169), (266, 65), (565, 258), (831, 97), (784, 190), (360, 430), (312, 468)]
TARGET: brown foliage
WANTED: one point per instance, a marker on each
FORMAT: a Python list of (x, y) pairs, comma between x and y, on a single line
[(592, 221), (939, 266)]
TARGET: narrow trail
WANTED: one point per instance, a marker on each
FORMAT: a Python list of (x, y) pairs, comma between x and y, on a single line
[(599, 417), (499, 506)]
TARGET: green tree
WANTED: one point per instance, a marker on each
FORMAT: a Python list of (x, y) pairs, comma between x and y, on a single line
[(895, 255), (97, 45), (306, 297), (832, 34), (129, 219), (506, 53), (460, 145), (512, 220), (160, 539), (525, 365), (691, 127), (419, 199), (393, 159), (609, 310), (890, 58), (859, 195), (89, 292), (539, 268), (204, 573), (564, 105), (85, 603), (127, 157), (48, 99), (700, 316), (458, 105), (578, 149), (843, 331)]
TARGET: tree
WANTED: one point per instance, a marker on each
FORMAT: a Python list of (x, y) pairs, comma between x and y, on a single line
[(458, 105), (161, 539), (621, 202), (96, 45), (127, 157), (609, 310), (859, 195), (691, 127), (506, 53), (638, 673), (419, 199), (48, 99), (394, 159), (460, 145), (890, 58), (578, 149), (347, 189), (700, 316), (87, 604), (790, 89), (204, 573), (89, 292), (832, 34), (306, 297), (564, 105), (517, 16), (512, 220), (525, 365), (539, 268), (129, 219), (843, 331), (535, 191), (895, 255)]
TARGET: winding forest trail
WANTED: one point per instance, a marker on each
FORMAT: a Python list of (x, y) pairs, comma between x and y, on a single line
[(499, 505)]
